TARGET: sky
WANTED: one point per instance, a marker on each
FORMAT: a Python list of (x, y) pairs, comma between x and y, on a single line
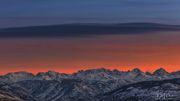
[(15, 13), (147, 51)]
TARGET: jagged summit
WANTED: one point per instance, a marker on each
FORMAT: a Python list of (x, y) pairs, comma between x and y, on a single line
[(47, 73), (148, 73), (102, 69), (160, 72), (51, 75), (92, 71), (136, 70), (17, 76), (19, 73)]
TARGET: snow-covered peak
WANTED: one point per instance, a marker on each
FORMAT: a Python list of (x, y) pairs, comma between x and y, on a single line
[(161, 72)]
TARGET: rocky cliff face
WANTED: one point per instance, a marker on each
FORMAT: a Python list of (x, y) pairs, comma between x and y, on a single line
[(5, 96), (165, 90)]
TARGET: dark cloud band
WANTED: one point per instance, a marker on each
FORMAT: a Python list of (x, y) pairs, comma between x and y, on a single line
[(85, 30)]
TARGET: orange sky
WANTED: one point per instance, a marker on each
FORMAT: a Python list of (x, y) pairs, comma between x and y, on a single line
[(36, 70), (145, 51)]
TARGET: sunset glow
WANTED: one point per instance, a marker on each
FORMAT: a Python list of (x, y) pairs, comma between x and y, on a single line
[(67, 36), (67, 55)]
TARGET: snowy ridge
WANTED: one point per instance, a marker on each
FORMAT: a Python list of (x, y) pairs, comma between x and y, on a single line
[(89, 85)]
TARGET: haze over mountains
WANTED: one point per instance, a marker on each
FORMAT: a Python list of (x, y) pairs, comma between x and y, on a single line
[(89, 85)]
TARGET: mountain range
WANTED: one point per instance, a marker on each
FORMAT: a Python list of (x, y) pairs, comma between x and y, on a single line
[(91, 85)]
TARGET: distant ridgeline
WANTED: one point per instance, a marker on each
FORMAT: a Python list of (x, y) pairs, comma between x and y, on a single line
[(91, 85)]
